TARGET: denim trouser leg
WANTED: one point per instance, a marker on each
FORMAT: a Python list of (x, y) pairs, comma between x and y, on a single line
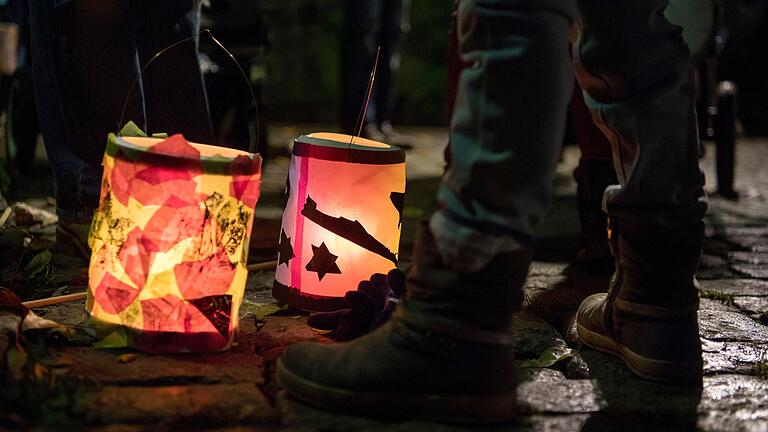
[(80, 80), (507, 127), (85, 58), (635, 70)]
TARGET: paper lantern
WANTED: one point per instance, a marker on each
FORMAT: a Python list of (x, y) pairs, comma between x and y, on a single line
[(341, 223), (169, 243)]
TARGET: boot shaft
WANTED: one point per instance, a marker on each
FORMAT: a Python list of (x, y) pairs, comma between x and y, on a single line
[(655, 265), (483, 300)]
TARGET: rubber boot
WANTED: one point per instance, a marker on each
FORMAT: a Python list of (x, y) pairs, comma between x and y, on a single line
[(648, 317), (445, 355)]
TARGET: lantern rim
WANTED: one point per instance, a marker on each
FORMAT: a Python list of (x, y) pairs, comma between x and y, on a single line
[(207, 151), (346, 148), (214, 159)]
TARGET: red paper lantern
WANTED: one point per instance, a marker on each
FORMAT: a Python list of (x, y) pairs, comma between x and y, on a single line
[(342, 220)]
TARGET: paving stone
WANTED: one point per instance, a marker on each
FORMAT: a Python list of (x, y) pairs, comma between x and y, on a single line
[(734, 402), (299, 417), (714, 273), (746, 231), (749, 257), (541, 375), (195, 405), (542, 268), (71, 313), (732, 357), (730, 326), (752, 304), (104, 366), (737, 287), (532, 335), (716, 246), (746, 242), (709, 261), (759, 271), (716, 305)]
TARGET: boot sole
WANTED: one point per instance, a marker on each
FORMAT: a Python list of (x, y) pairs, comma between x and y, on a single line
[(479, 410), (645, 367)]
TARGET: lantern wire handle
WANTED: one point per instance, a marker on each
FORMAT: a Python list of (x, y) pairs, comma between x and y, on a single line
[(254, 138), (364, 109)]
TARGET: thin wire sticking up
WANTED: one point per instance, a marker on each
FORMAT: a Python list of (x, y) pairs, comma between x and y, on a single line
[(369, 92)]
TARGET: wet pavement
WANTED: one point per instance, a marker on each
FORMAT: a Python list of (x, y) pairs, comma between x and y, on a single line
[(107, 389)]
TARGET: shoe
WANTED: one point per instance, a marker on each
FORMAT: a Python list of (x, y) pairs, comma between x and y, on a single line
[(394, 137), (372, 132), (592, 177), (445, 355), (648, 317)]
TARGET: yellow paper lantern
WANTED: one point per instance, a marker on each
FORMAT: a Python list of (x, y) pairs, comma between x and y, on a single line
[(169, 243), (341, 223)]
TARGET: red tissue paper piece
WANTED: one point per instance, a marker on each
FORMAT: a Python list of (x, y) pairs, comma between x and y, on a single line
[(114, 295), (136, 256), (246, 180), (152, 183), (210, 276), (172, 223), (173, 325), (176, 145)]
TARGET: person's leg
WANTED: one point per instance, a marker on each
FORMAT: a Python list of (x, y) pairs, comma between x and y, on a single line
[(593, 175), (173, 84), (447, 353), (358, 51), (83, 64), (634, 67), (389, 62)]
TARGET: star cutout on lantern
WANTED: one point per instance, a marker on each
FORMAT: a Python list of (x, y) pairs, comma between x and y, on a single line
[(323, 261), (284, 249)]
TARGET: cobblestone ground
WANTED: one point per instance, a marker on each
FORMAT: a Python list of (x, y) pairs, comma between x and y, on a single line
[(584, 390)]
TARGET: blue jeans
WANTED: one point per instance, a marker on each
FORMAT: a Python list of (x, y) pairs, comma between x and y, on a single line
[(509, 120), (86, 54)]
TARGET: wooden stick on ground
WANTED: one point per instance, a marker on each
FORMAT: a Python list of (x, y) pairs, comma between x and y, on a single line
[(81, 296), (54, 300), (266, 265)]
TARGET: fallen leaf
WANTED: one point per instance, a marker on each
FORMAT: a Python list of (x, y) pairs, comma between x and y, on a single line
[(115, 339), (126, 358), (549, 357), (37, 264), (261, 310)]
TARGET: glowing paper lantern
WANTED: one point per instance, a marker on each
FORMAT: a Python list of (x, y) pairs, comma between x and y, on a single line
[(342, 219), (169, 243)]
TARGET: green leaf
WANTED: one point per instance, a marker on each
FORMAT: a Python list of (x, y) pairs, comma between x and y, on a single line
[(37, 264), (130, 129), (261, 310), (160, 135), (549, 357), (116, 339)]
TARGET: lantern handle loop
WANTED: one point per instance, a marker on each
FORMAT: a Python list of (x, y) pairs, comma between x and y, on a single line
[(253, 144), (364, 109)]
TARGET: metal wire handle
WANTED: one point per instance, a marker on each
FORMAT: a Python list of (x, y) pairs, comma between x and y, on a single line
[(254, 139), (364, 109)]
